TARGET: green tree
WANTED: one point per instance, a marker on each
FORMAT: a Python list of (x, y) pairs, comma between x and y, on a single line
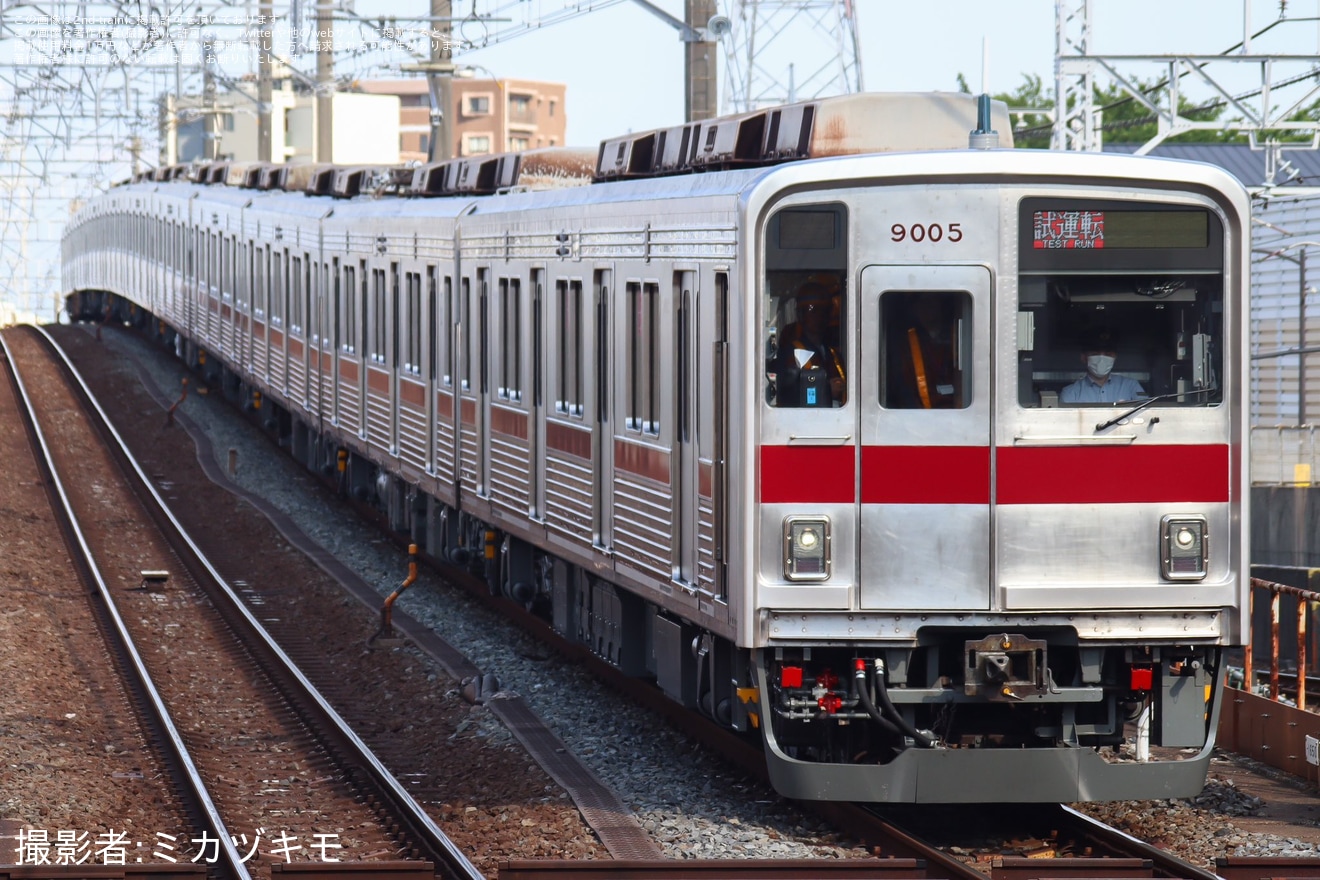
[(1124, 119)]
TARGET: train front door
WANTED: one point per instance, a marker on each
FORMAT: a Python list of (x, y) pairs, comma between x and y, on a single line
[(925, 435)]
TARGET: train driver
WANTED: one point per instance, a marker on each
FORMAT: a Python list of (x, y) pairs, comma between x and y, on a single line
[(809, 366), (1099, 384)]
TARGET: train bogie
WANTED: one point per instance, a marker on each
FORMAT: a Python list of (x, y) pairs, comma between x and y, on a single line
[(929, 467)]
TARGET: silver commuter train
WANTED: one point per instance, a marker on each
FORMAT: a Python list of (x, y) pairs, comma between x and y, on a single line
[(888, 536)]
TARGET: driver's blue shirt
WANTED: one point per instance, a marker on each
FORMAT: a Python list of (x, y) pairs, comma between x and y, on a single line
[(1116, 390)]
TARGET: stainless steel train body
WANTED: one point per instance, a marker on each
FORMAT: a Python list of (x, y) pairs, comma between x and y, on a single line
[(978, 593)]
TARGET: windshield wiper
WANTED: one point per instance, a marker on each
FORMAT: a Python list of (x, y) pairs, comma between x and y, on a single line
[(1147, 402)]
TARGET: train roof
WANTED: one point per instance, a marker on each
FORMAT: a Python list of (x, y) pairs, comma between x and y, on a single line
[(866, 136), (1024, 165), (733, 185)]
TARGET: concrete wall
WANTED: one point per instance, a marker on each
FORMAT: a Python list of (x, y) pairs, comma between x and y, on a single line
[(1285, 526)]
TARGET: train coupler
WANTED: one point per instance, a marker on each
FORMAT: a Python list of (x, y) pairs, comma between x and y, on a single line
[(1005, 667)]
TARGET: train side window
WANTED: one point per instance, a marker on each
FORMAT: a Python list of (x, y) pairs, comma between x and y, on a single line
[(510, 383), (643, 358), (227, 269), (295, 295), (926, 339), (568, 381), (805, 307), (410, 329), (298, 311), (445, 337), (277, 287), (465, 316), (348, 315), (378, 316)]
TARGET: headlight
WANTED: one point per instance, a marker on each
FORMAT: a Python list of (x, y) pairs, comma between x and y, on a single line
[(806, 548), (1184, 547)]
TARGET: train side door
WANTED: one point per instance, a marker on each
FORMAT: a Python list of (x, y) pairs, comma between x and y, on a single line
[(473, 436), (685, 427), (363, 342), (602, 434), (536, 428), (925, 437), (712, 401), (483, 382), (316, 298)]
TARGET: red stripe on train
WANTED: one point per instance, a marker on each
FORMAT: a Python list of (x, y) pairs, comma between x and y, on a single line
[(1113, 474), (817, 474), (925, 475), (961, 474)]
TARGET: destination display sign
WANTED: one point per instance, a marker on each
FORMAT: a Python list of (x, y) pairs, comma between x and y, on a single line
[(1091, 230)]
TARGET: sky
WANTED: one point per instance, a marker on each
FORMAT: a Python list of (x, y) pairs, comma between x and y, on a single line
[(623, 66)]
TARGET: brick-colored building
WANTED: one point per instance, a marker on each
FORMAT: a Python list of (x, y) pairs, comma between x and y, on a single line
[(484, 116)]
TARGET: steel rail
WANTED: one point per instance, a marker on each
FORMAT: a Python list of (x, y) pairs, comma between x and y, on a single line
[(328, 721), (232, 860), (1166, 864)]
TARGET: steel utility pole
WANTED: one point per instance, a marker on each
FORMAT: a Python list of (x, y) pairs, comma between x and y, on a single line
[(702, 97), (440, 79), (439, 70), (700, 31), (325, 81), (265, 25)]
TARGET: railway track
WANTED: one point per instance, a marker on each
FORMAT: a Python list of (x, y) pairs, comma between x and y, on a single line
[(186, 642)]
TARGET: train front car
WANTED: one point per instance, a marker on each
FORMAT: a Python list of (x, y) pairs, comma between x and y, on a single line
[(999, 475)]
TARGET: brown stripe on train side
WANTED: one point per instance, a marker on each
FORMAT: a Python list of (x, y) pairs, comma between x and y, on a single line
[(348, 370), (644, 461), (568, 438), (295, 347), (258, 327), (444, 402), (412, 393), (705, 479), (512, 422), (327, 361), (378, 381), (225, 311), (276, 337), (467, 411)]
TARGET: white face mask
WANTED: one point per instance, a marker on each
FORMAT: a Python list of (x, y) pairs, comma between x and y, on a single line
[(1099, 365)]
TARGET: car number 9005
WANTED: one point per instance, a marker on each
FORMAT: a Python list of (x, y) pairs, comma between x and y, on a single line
[(926, 232)]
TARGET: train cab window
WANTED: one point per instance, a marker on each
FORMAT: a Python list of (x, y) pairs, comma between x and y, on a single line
[(805, 307), (926, 339), (1119, 302)]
